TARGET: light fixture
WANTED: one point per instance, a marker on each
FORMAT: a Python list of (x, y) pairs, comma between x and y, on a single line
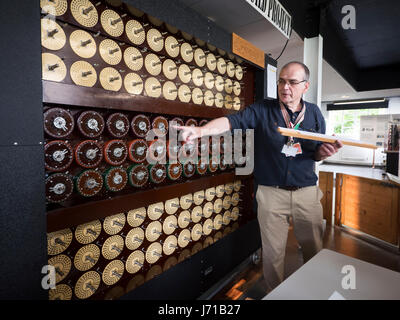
[(359, 102)]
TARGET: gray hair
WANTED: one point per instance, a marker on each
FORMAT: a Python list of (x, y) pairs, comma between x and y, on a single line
[(306, 70)]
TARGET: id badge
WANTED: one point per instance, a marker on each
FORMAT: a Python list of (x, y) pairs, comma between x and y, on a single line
[(298, 147), (291, 150)]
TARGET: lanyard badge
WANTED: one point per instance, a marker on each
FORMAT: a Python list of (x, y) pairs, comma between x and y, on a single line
[(291, 149)]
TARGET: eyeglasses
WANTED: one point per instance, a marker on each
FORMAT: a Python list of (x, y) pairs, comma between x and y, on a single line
[(291, 83)]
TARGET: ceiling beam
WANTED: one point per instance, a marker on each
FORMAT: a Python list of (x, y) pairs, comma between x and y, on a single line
[(385, 77)]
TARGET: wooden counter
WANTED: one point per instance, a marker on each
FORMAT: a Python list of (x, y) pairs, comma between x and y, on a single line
[(369, 203)]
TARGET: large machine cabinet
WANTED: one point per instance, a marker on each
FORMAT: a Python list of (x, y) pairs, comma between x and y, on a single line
[(85, 83)]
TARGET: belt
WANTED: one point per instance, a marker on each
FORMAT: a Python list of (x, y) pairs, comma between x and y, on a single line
[(289, 188)]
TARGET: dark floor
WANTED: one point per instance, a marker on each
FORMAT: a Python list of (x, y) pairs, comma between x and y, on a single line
[(248, 284)]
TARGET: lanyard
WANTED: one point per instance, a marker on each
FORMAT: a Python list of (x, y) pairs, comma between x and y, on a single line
[(288, 121)]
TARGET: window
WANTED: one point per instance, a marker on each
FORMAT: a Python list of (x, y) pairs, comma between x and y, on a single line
[(346, 123)]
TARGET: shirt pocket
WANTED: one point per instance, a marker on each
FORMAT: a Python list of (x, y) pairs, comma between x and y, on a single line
[(274, 136)]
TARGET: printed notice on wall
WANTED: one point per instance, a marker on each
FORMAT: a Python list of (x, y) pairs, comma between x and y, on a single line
[(373, 129), (271, 81)]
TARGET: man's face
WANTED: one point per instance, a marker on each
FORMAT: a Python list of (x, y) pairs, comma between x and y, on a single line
[(290, 85)]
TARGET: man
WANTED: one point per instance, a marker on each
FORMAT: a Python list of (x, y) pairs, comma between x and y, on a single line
[(286, 182)]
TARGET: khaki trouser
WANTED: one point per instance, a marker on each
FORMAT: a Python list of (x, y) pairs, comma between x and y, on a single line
[(275, 206)]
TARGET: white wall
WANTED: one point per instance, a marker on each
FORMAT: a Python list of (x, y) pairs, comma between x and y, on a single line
[(394, 105)]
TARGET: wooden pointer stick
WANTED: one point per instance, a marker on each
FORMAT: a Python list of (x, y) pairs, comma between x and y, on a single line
[(323, 138)]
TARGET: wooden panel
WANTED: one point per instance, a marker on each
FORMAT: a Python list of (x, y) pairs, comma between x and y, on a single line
[(247, 50), (72, 216), (326, 186), (370, 206), (67, 94), (338, 198)]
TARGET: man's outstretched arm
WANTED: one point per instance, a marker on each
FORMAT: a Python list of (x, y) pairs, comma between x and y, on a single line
[(214, 127)]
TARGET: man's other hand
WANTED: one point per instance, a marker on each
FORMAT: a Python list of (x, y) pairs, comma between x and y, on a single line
[(327, 150)]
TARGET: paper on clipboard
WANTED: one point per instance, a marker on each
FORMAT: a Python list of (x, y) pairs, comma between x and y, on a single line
[(271, 81), (323, 138)]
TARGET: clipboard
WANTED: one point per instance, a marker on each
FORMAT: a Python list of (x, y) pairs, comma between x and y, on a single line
[(324, 138)]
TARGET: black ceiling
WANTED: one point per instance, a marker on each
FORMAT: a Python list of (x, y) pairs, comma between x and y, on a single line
[(376, 40), (368, 57)]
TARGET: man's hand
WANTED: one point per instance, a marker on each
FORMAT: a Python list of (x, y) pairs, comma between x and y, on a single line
[(188, 134), (327, 150), (214, 127)]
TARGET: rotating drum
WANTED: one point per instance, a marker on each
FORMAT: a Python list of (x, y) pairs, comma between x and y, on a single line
[(88, 232), (133, 59), (87, 285), (52, 35), (112, 23), (136, 217), (138, 175), (135, 32), (58, 123), (54, 7), (59, 187), (137, 150), (140, 125), (88, 154), (89, 183), (83, 44), (110, 52), (115, 152), (117, 125), (53, 67), (90, 124), (84, 12), (58, 155), (83, 74), (115, 179)]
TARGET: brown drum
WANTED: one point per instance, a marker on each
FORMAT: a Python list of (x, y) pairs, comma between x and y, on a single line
[(137, 150), (201, 167), (58, 123), (118, 125), (189, 169), (138, 175), (140, 125), (58, 156), (59, 187), (158, 172), (115, 179), (89, 183), (174, 171), (90, 124), (160, 126), (115, 152), (88, 154)]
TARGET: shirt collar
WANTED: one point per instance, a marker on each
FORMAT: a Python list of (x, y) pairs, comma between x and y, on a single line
[(290, 111)]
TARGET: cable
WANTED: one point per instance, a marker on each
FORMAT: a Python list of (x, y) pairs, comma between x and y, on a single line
[(291, 30), (283, 49)]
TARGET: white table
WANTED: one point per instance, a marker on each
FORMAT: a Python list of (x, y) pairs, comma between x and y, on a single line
[(321, 279)]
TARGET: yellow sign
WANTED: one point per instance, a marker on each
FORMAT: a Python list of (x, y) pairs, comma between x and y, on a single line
[(248, 51)]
